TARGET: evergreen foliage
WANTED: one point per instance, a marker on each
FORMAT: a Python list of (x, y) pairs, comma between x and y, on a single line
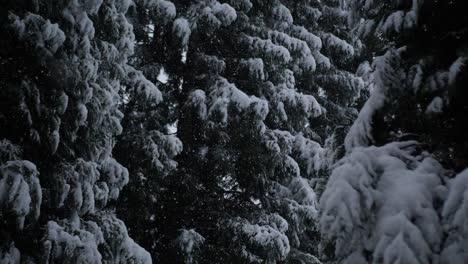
[(63, 65), (233, 131), (419, 67)]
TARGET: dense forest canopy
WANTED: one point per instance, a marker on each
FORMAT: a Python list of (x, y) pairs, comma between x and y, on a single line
[(233, 131)]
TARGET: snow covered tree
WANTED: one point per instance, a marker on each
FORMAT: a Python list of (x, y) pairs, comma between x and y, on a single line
[(147, 148), (246, 78), (431, 70), (418, 71), (342, 83), (63, 65), (148, 144), (247, 115)]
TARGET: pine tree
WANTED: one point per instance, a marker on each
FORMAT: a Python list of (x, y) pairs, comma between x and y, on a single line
[(63, 65), (147, 148), (245, 78), (393, 194), (250, 103), (148, 144)]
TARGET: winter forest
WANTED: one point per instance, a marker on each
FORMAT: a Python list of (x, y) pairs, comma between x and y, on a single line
[(234, 131)]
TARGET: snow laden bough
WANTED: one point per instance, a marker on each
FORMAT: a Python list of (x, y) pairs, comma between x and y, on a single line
[(77, 241), (264, 240), (380, 206), (455, 225), (189, 243), (20, 191)]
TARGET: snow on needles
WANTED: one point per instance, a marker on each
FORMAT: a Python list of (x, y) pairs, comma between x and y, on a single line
[(20, 190), (382, 199)]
